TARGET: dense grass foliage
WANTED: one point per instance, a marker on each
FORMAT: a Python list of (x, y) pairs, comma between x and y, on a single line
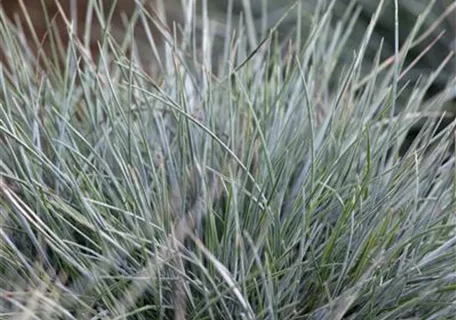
[(261, 180)]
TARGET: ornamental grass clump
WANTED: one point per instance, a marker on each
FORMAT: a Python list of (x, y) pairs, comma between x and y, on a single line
[(261, 178)]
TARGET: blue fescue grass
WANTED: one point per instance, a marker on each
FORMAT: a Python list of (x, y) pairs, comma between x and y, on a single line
[(283, 187)]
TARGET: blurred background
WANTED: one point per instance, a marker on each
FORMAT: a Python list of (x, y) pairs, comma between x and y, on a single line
[(440, 23)]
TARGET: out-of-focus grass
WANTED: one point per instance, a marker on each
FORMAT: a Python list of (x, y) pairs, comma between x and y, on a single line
[(279, 188)]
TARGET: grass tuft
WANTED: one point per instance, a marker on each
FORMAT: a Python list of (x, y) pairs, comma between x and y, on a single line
[(308, 178)]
